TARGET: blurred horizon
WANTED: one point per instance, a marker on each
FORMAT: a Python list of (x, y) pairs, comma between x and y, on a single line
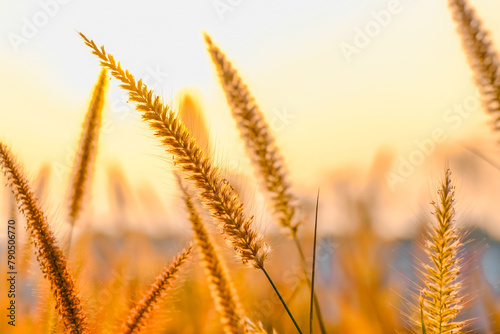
[(336, 118)]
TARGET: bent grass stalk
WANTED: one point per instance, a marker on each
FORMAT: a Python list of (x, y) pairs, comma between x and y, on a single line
[(260, 145), (143, 308), (50, 257), (216, 193), (440, 302)]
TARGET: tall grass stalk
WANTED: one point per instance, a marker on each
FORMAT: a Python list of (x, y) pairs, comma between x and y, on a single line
[(221, 288), (313, 266), (264, 153), (86, 154), (143, 308), (481, 54), (50, 257), (216, 193), (87, 149)]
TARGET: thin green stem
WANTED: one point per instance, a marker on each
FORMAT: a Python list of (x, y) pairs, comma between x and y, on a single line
[(424, 331), (316, 302), (281, 299), (313, 267)]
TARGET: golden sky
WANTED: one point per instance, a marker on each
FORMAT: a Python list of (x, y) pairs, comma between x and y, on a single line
[(334, 97)]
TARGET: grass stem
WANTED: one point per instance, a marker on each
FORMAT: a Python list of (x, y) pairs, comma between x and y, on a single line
[(304, 266), (313, 266), (282, 301)]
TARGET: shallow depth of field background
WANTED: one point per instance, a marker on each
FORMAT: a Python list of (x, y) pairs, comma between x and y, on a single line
[(361, 128)]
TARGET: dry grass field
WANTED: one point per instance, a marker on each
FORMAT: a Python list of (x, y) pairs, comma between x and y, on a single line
[(252, 254)]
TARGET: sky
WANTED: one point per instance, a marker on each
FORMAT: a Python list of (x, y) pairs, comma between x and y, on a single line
[(339, 80)]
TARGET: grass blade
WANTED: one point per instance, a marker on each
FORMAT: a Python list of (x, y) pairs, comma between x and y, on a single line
[(313, 267), (424, 331)]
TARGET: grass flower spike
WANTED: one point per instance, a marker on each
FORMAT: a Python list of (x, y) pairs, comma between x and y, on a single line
[(440, 300), (481, 54), (49, 255), (143, 308), (258, 139), (87, 148)]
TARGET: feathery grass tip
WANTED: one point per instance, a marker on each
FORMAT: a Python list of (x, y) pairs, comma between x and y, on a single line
[(259, 141), (216, 192), (84, 159), (481, 55), (265, 156), (440, 300)]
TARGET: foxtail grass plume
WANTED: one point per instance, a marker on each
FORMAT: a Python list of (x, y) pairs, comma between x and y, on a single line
[(440, 300), (143, 308), (216, 192), (50, 257), (221, 288), (258, 139), (87, 151), (481, 55)]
